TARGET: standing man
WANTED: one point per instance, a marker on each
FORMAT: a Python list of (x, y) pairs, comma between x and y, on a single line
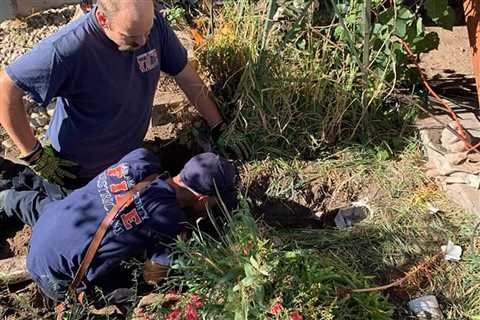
[(103, 68)]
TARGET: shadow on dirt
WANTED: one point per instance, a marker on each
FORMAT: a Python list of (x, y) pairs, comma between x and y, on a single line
[(285, 213), (9, 229), (458, 89)]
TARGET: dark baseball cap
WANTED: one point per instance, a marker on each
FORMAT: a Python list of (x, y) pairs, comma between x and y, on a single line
[(207, 170)]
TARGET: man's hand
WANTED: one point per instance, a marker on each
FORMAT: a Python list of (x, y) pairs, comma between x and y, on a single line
[(154, 272), (48, 165), (233, 145)]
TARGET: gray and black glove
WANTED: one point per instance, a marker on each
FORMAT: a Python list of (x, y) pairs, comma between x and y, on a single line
[(231, 144), (46, 163)]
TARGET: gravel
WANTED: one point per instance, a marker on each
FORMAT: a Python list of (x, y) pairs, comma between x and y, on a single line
[(16, 38)]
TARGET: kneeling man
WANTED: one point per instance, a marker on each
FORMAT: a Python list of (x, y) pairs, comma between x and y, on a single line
[(144, 228)]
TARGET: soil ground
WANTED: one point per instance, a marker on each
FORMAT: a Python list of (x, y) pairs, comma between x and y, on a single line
[(450, 68)]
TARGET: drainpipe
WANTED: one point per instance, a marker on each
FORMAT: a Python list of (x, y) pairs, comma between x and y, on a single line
[(472, 12)]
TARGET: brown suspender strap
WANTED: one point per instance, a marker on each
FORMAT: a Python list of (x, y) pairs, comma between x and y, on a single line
[(121, 203)]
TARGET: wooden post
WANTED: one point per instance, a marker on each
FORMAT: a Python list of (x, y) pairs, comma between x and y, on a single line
[(472, 12)]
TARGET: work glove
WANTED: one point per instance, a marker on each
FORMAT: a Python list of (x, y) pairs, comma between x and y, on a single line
[(230, 143), (46, 163)]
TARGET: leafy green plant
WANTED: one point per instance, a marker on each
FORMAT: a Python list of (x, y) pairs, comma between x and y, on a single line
[(392, 22), (175, 14), (242, 275)]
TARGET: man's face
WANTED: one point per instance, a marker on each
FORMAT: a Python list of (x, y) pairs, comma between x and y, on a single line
[(129, 29), (199, 209)]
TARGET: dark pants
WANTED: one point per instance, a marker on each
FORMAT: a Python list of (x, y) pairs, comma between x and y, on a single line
[(26, 194)]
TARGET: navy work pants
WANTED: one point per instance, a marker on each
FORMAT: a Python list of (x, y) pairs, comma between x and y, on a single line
[(26, 193)]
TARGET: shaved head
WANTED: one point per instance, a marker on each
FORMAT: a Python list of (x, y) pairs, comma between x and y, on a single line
[(108, 7), (112, 7), (126, 22)]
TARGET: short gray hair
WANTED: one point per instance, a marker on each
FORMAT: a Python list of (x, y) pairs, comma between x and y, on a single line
[(108, 7)]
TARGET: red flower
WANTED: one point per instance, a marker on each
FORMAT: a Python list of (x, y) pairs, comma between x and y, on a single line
[(174, 315), (191, 312), (276, 308), (197, 302), (295, 316)]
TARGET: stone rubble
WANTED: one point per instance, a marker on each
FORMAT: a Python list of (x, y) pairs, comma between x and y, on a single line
[(457, 170)]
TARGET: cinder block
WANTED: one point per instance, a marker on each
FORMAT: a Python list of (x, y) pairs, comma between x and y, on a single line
[(27, 7)]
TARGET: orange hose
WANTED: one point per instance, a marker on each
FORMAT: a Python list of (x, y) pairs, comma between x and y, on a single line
[(460, 128)]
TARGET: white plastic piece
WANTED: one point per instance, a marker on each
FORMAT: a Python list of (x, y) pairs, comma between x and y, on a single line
[(452, 252), (426, 307), (348, 216), (432, 209)]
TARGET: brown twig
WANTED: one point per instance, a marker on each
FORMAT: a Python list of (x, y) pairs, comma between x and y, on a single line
[(412, 276)]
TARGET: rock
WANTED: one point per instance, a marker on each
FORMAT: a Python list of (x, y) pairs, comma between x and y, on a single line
[(470, 179), (7, 144), (465, 196), (187, 41), (451, 142), (34, 122), (18, 36), (164, 106), (458, 172), (51, 109), (43, 121), (39, 119), (34, 114), (456, 158), (348, 216)]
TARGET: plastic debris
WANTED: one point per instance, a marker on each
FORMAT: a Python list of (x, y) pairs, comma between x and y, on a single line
[(426, 307), (432, 209), (348, 216), (452, 252)]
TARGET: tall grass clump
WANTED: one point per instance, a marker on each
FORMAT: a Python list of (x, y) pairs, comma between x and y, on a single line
[(280, 77)]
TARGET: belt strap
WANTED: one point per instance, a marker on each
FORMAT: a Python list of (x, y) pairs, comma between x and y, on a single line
[(121, 204)]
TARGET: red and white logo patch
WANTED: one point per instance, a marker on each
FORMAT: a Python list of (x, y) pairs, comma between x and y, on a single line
[(148, 60)]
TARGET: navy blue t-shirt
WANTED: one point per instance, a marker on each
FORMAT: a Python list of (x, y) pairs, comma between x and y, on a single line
[(104, 95), (63, 233)]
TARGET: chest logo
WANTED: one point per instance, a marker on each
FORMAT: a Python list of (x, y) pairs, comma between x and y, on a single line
[(148, 60)]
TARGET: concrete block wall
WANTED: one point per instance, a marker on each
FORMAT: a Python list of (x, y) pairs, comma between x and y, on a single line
[(7, 10), (13, 8)]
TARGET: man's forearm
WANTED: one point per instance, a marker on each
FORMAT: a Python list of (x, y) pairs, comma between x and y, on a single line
[(13, 116), (199, 95)]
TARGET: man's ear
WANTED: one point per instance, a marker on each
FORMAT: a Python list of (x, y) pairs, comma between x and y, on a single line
[(102, 19)]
